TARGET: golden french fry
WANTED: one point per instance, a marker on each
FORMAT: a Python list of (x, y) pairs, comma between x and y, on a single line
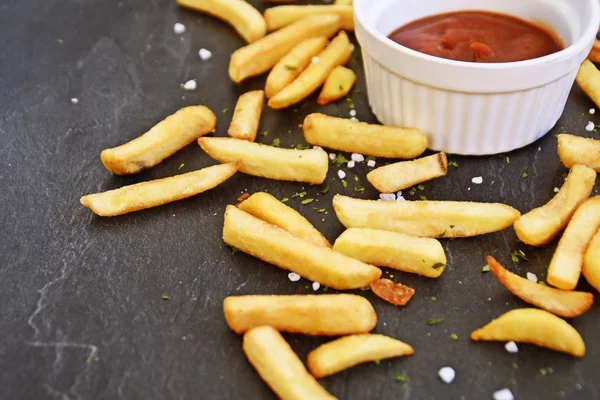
[(404, 174), (266, 207), (246, 117), (267, 161), (262, 55), (450, 219), (163, 140), (280, 367), (349, 351), (324, 314), (343, 2), (240, 14), (279, 247), (359, 137), (337, 53), (541, 225), (533, 326), (574, 150), (591, 262), (157, 192), (594, 55), (567, 261), (280, 16), (292, 64), (418, 255), (588, 79), (564, 303), (337, 85)]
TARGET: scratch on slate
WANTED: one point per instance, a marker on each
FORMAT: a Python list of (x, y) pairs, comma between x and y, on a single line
[(40, 305), (92, 349), (240, 286)]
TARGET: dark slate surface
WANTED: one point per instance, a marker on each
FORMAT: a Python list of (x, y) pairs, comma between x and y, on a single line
[(81, 314)]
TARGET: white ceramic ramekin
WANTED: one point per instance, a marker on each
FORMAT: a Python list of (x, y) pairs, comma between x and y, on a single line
[(472, 108)]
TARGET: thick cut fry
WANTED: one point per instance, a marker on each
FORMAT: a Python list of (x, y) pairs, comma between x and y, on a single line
[(279, 247), (325, 314), (262, 55), (246, 117), (359, 137), (278, 17), (337, 85), (280, 367), (591, 262), (594, 55), (349, 351), (163, 140), (158, 192), (450, 219), (538, 327), (588, 79), (423, 256), (404, 174), (394, 293), (266, 207), (269, 162), (564, 303), (292, 64), (541, 225), (337, 53), (240, 14), (574, 150), (567, 261)]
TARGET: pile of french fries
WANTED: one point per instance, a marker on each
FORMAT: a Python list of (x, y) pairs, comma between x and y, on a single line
[(402, 235)]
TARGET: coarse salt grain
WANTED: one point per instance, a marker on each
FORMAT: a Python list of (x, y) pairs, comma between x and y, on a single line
[(357, 157), (178, 28), (190, 85), (592, 111), (315, 59), (354, 119), (204, 54), (331, 156), (353, 113), (504, 394), (511, 347), (478, 180), (532, 277), (399, 197), (341, 174), (319, 148), (74, 100), (294, 277), (371, 163), (387, 196), (351, 164), (316, 286), (590, 126), (556, 190), (447, 374)]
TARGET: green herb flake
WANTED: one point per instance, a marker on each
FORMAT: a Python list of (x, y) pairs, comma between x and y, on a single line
[(181, 166), (423, 197), (307, 201), (507, 159), (485, 268), (357, 91), (438, 265), (165, 297), (300, 126), (319, 210), (285, 200), (412, 191), (524, 175), (517, 255), (301, 195), (401, 378), (344, 183), (225, 110), (359, 189), (60, 42), (455, 308), (377, 362), (453, 336), (302, 147), (234, 250), (421, 187), (453, 164), (276, 142), (356, 178), (434, 321), (543, 371), (265, 133), (204, 102), (326, 190), (290, 68), (339, 160), (433, 298), (325, 289), (96, 360)]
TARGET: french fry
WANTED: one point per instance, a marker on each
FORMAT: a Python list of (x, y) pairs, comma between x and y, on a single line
[(260, 56), (349, 351), (246, 117), (533, 326), (394, 293), (281, 248), (266, 207), (163, 140), (359, 137), (564, 303), (337, 53), (280, 16), (292, 64), (594, 55), (567, 261), (588, 79), (441, 219), (574, 150), (240, 14), (418, 255), (157, 192), (337, 85), (324, 314), (404, 174), (541, 225), (280, 367), (267, 161), (591, 262)]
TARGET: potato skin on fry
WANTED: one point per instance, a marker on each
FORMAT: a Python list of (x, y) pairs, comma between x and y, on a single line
[(588, 79), (541, 225), (163, 140), (349, 351), (404, 174), (279, 247), (280, 16), (538, 327), (280, 367), (337, 85), (246, 117), (324, 314), (394, 293), (574, 150), (564, 303), (359, 137), (266, 207), (591, 262), (157, 192)]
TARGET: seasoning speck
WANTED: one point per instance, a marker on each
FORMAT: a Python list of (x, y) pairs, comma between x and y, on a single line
[(204, 54), (294, 277), (401, 378), (353, 113), (74, 100), (556, 190), (178, 28), (165, 297), (447, 374), (511, 347)]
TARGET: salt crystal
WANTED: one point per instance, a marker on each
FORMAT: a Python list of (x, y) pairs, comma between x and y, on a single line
[(316, 286), (357, 157), (178, 28), (351, 164), (590, 126), (532, 277), (204, 54), (511, 347), (387, 196), (371, 163), (447, 374), (504, 394), (478, 180), (190, 85), (74, 100), (294, 277), (341, 174)]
